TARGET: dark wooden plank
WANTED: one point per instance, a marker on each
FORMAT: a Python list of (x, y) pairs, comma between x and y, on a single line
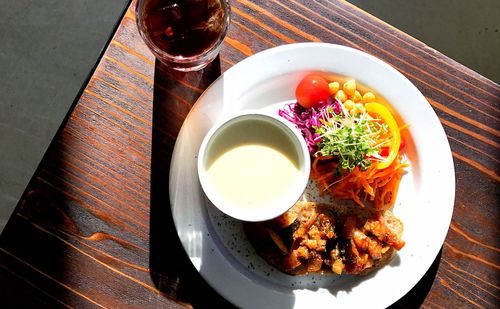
[(92, 228)]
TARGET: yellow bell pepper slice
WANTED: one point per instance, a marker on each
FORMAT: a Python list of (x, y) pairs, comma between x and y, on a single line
[(380, 111)]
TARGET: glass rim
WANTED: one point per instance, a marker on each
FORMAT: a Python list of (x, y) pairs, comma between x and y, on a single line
[(182, 59)]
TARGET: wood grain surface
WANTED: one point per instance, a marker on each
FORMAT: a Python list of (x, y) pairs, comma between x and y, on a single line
[(93, 228)]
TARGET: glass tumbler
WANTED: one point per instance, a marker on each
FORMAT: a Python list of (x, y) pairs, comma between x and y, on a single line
[(185, 35)]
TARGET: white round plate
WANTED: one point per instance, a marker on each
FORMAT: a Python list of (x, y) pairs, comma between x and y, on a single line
[(216, 244)]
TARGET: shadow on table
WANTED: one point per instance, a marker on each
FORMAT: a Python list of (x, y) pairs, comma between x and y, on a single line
[(171, 270)]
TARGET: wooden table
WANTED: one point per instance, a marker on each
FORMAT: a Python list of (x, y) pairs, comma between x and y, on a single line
[(93, 228)]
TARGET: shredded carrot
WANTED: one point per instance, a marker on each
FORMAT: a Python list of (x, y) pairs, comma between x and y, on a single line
[(380, 187)]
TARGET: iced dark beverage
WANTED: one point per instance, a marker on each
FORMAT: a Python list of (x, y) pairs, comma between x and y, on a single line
[(184, 34)]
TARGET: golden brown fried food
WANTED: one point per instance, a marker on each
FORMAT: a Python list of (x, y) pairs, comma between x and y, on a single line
[(316, 238)]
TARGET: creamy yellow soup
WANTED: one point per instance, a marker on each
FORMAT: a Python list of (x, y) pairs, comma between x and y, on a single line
[(253, 164)]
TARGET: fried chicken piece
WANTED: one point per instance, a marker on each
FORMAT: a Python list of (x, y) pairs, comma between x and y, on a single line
[(379, 228), (367, 244), (310, 239)]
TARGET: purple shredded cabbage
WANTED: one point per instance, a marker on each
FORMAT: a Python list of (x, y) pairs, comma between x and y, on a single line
[(308, 119)]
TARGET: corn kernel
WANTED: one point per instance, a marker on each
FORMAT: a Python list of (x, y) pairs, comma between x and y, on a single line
[(341, 96), (348, 104), (349, 87), (333, 87), (357, 109), (368, 97), (356, 97)]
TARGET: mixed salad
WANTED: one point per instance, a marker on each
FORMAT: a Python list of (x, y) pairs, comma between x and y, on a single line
[(354, 140)]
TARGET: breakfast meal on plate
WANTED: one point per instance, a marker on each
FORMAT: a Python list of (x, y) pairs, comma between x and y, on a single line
[(357, 158)]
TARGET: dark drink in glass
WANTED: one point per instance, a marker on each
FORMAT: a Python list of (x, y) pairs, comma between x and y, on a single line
[(184, 34)]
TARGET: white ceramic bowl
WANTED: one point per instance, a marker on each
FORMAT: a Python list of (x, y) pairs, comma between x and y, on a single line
[(281, 137)]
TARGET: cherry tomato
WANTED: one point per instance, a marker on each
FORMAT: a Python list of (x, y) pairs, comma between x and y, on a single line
[(311, 90), (384, 151)]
